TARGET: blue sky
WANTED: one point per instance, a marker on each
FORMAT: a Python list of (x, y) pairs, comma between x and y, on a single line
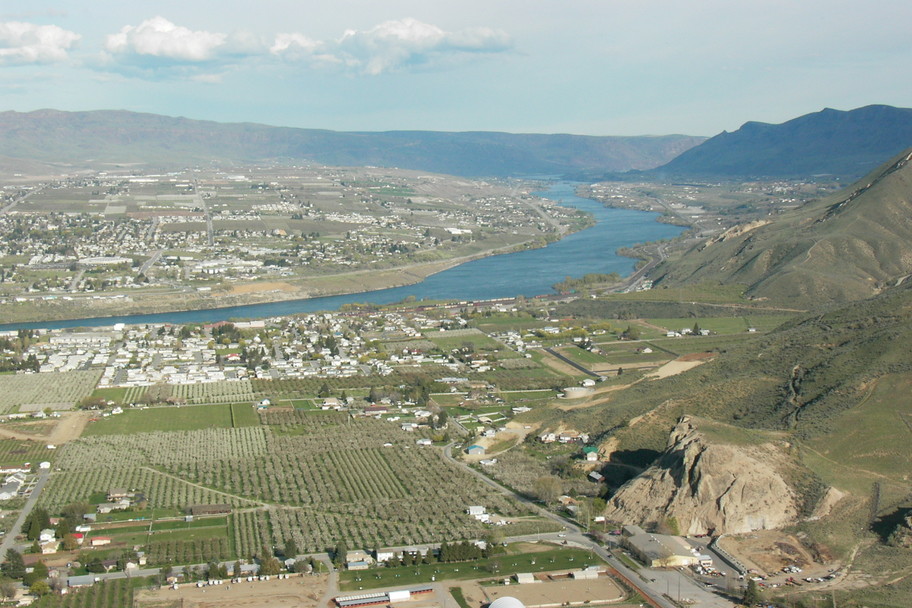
[(593, 67)]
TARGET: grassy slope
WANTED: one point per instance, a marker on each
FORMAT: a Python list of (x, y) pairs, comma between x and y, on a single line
[(851, 370), (840, 248)]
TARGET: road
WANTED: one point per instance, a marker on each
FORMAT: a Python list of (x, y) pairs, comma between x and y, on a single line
[(652, 582), (151, 261), (9, 540), (637, 277), (21, 198), (572, 363)]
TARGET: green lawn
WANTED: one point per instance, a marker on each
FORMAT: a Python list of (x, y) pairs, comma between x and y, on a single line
[(480, 341), (497, 566), (115, 394), (183, 418)]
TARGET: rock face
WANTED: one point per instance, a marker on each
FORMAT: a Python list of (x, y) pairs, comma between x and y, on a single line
[(709, 487)]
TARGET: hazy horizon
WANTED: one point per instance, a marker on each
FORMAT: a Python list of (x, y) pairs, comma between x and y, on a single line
[(587, 68)]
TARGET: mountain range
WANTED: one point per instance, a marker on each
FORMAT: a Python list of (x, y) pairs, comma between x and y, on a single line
[(50, 138), (830, 142)]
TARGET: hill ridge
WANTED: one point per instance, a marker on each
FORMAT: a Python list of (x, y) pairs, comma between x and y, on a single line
[(845, 144), (92, 138), (844, 247)]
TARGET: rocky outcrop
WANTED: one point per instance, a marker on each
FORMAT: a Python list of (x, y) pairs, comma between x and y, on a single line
[(709, 486)]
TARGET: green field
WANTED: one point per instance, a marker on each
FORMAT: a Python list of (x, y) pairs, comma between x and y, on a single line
[(15, 453), (478, 340), (185, 418), (497, 566), (873, 438)]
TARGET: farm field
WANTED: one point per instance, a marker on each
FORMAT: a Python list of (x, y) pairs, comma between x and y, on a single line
[(540, 559), (294, 592), (172, 418), (108, 594), (55, 390), (313, 476), (14, 452)]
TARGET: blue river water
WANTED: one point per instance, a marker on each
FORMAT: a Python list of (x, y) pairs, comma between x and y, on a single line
[(531, 272)]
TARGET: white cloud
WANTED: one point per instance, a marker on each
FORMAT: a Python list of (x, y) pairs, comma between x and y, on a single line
[(391, 45), (27, 43), (158, 41)]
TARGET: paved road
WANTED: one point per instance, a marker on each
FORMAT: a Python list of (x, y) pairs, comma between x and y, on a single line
[(654, 583), (152, 260), (9, 540)]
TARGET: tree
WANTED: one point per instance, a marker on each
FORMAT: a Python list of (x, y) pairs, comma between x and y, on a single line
[(37, 521), (339, 553), (39, 588), (442, 417), (236, 571), (270, 566), (547, 488), (39, 573), (751, 593), (14, 566), (8, 589), (70, 543), (324, 391), (291, 548), (631, 333)]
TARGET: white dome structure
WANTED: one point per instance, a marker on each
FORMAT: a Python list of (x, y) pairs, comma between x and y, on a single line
[(506, 602)]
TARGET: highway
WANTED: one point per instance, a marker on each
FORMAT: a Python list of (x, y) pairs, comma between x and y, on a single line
[(653, 583)]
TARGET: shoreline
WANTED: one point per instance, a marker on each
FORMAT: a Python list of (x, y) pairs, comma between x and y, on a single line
[(302, 289)]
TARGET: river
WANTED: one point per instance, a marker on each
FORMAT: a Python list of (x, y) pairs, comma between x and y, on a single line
[(531, 272)]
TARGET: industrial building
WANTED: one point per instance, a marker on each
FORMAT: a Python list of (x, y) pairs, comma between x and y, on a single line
[(660, 550)]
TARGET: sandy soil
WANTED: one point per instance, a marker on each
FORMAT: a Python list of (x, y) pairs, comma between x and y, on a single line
[(555, 592), (261, 287), (68, 427), (295, 592), (768, 551), (558, 365), (673, 368)]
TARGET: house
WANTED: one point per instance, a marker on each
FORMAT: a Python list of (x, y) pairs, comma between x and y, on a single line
[(100, 541), (591, 453), (86, 580), (48, 546), (357, 555), (11, 487), (479, 513), (383, 555), (118, 494), (596, 476), (475, 450), (424, 442)]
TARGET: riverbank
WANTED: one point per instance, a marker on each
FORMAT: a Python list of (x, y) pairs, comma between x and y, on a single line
[(36, 309), (494, 273)]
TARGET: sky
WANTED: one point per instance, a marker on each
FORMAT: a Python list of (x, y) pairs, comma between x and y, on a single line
[(589, 67)]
